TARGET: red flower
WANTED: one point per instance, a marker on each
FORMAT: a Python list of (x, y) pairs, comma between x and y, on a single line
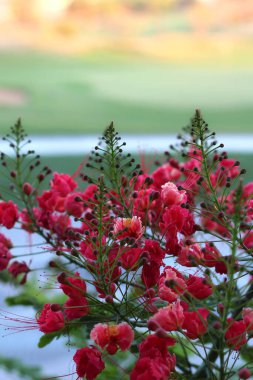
[(150, 274), (76, 308), (165, 173), (190, 256), (5, 256), (155, 361), (171, 285), (63, 184), (211, 255), (169, 318), (154, 345), (195, 323), (198, 287), (49, 320), (155, 252), (147, 368), (89, 362), (130, 258), (72, 206), (128, 227), (248, 240), (112, 337), (17, 268), (247, 315), (50, 201), (8, 214), (74, 287), (236, 334)]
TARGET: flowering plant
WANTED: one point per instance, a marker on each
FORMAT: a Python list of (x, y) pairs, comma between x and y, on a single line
[(157, 266)]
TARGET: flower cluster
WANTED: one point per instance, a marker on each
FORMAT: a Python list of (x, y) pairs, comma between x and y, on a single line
[(149, 262)]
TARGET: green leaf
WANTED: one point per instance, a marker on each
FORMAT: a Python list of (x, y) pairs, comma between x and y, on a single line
[(48, 338), (21, 299)]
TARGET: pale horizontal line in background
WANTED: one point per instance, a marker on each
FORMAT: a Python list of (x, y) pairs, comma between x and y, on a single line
[(70, 145)]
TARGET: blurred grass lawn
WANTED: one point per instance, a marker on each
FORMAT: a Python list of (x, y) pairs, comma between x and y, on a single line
[(83, 94)]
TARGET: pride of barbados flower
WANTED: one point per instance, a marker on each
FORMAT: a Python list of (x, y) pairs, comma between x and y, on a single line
[(113, 337), (128, 227), (150, 271)]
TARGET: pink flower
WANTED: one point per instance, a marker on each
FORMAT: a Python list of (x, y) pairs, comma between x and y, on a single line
[(247, 315), (195, 323), (171, 195), (235, 334), (198, 287), (8, 214), (112, 337), (89, 362), (49, 320), (128, 227), (171, 284), (168, 318)]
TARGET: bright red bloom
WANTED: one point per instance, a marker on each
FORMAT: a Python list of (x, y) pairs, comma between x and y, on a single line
[(171, 284), (5, 256), (190, 255), (169, 318), (63, 184), (147, 368), (236, 334), (211, 255), (17, 268), (155, 361), (150, 274), (155, 252), (130, 257), (171, 195), (226, 168), (49, 320), (195, 323), (8, 214), (144, 203), (176, 218), (248, 240), (112, 337), (165, 173), (89, 362), (73, 206), (74, 287), (76, 308), (50, 201), (128, 227), (198, 287), (5, 241), (247, 315)]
